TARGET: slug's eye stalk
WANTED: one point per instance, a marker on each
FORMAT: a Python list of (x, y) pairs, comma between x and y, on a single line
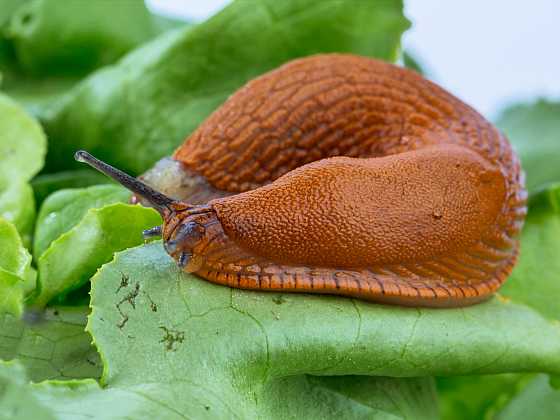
[(152, 232), (160, 201)]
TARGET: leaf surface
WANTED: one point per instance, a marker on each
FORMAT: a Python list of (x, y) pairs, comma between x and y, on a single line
[(74, 256), (65, 209), (51, 345)]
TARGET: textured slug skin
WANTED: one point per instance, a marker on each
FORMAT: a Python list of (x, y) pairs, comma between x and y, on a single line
[(422, 206)]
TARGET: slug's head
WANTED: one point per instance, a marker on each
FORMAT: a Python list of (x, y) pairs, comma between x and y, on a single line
[(187, 233), (186, 227)]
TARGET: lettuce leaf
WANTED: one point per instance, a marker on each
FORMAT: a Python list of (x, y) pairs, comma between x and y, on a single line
[(91, 37), (308, 397), (16, 275), (46, 184), (66, 208), (534, 131), (22, 149), (50, 344), (71, 259), (138, 111)]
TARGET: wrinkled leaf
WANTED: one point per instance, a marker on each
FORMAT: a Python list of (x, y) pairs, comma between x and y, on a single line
[(65, 209), (16, 275), (11, 293), (296, 397), (534, 131), (73, 257), (13, 256), (44, 185), (138, 111), (51, 345)]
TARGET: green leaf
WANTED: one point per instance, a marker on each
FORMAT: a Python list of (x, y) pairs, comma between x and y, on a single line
[(11, 293), (22, 142), (7, 8), (534, 280), (39, 62), (295, 397), (478, 397), (537, 401), (73, 257), (534, 131), (44, 185), (16, 275), (410, 61), (273, 339), (139, 110), (66, 208), (36, 94), (51, 345), (13, 256), (92, 34), (16, 402), (22, 152), (17, 205)]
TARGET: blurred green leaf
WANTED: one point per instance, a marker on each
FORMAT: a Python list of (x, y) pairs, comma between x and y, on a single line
[(73, 36), (537, 401), (16, 402), (534, 131), (477, 397), (51, 345), (46, 184), (66, 208), (22, 150), (410, 61), (22, 142), (138, 111), (39, 61), (74, 256)]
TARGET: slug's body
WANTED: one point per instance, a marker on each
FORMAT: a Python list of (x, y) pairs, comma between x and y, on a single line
[(345, 175)]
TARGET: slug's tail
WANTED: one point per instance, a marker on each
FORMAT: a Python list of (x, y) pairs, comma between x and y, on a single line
[(159, 201)]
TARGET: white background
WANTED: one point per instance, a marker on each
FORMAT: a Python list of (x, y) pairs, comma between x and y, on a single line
[(487, 52)]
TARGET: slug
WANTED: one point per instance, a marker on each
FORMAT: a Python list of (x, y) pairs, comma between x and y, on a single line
[(343, 175)]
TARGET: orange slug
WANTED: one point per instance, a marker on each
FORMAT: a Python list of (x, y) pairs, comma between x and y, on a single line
[(343, 175)]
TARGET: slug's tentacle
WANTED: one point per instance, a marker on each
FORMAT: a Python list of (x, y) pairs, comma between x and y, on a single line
[(159, 201)]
